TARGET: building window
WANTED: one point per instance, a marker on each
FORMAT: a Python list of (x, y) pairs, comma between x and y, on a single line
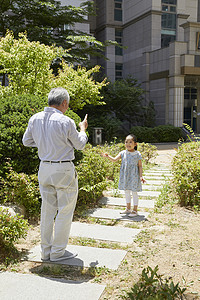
[(118, 39), (170, 2), (168, 22), (166, 39), (198, 40), (197, 61), (118, 71), (118, 10), (190, 107)]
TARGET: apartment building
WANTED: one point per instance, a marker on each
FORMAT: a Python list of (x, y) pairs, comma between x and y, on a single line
[(162, 40)]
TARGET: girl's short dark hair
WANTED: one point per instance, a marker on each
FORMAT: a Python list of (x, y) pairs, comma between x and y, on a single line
[(134, 138)]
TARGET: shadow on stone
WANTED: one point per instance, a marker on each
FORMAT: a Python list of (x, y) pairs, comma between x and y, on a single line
[(114, 214)]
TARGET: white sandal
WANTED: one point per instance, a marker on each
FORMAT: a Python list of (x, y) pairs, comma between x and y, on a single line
[(133, 214), (126, 211)]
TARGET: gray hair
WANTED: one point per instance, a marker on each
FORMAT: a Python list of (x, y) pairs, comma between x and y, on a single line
[(57, 96)]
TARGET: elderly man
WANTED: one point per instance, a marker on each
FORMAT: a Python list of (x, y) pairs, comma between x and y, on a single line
[(55, 136)]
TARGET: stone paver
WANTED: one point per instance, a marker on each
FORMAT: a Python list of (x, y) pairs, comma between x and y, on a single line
[(121, 202), (114, 214), (87, 257), (161, 171), (30, 287), (152, 181), (150, 177), (144, 194), (151, 187), (151, 194), (166, 174), (118, 234)]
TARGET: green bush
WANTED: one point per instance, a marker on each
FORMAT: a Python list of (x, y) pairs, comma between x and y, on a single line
[(186, 172), (22, 190), (14, 115), (152, 286), (93, 170), (112, 168), (148, 151), (92, 174), (12, 228), (159, 134)]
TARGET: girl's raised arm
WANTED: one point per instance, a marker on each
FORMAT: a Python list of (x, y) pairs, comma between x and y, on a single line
[(116, 158)]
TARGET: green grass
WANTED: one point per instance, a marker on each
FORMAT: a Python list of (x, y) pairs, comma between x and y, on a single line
[(95, 243)]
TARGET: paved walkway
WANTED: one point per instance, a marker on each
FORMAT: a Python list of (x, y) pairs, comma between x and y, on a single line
[(25, 287), (166, 152)]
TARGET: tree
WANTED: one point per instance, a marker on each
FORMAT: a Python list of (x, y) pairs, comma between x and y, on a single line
[(123, 108), (50, 23), (27, 64), (28, 67), (124, 98)]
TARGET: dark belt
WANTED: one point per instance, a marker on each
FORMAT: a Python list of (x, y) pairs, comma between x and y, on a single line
[(56, 162)]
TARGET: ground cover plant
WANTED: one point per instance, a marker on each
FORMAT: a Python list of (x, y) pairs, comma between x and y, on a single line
[(152, 286)]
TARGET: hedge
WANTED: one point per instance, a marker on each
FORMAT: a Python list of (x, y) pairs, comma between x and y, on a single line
[(159, 134)]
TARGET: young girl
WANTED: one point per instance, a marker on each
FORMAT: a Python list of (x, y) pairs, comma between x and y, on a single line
[(130, 173)]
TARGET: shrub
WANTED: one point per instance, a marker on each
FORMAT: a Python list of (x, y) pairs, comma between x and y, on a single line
[(186, 171), (23, 190), (159, 134), (148, 151), (12, 228), (166, 199), (93, 170), (112, 168), (14, 115), (152, 286), (91, 175)]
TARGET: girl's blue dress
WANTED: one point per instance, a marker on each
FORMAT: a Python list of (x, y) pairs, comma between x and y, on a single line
[(129, 178)]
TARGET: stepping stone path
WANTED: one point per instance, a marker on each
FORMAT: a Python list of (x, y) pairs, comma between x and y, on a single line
[(54, 288), (29, 287), (114, 214)]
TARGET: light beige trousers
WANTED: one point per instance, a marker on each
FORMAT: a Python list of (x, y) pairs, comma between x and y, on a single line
[(59, 190)]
